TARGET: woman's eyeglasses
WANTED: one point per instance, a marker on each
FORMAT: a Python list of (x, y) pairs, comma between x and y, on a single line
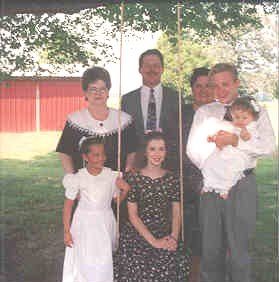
[(95, 90)]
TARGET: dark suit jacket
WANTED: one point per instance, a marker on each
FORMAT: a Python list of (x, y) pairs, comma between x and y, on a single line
[(169, 120)]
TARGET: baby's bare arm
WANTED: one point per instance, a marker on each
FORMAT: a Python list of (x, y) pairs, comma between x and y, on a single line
[(245, 134)]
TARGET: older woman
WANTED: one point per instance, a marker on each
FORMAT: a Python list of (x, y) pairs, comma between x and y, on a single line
[(202, 95), (96, 120)]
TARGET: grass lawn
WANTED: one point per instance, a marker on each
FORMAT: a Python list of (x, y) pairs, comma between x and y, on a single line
[(264, 247), (31, 222), (31, 207)]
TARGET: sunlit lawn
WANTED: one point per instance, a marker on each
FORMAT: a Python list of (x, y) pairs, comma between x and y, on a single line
[(265, 245), (31, 206), (26, 146)]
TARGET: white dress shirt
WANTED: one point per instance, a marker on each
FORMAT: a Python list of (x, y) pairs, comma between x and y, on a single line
[(145, 93), (262, 146)]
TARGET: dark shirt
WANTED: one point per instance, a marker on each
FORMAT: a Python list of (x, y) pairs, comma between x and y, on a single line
[(80, 125), (191, 174)]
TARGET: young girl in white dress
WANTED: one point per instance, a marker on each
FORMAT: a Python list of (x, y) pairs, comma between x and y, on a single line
[(91, 238), (223, 168)]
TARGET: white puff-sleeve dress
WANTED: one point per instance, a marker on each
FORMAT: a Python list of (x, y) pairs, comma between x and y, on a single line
[(93, 227)]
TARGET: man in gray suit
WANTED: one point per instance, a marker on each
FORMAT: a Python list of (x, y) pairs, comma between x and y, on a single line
[(137, 102)]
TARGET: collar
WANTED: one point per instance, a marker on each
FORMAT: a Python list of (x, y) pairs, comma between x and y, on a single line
[(157, 89), (84, 122)]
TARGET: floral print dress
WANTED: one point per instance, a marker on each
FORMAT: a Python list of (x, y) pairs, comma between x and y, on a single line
[(136, 260)]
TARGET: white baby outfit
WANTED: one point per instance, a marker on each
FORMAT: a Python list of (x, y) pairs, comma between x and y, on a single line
[(222, 169)]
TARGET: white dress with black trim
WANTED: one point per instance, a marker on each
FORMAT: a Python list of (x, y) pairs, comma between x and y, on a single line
[(81, 124)]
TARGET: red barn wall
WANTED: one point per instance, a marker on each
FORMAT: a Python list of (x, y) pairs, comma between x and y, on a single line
[(57, 98), (18, 106)]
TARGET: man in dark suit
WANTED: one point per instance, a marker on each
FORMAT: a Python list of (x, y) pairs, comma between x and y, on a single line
[(165, 102)]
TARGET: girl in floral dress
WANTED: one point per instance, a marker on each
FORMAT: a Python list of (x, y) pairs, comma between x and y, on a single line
[(149, 247)]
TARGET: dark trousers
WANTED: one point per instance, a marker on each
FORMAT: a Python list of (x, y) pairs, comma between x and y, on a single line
[(226, 227), (192, 233)]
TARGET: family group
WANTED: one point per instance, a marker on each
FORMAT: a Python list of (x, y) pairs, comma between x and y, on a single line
[(223, 135)]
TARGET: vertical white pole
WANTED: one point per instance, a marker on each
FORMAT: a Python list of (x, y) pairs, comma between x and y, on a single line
[(179, 19), (119, 111)]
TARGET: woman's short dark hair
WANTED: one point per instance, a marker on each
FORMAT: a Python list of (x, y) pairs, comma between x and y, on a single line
[(247, 104), (149, 52), (87, 142), (140, 159), (93, 74), (197, 73)]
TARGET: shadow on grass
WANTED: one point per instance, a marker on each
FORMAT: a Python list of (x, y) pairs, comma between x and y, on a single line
[(32, 231)]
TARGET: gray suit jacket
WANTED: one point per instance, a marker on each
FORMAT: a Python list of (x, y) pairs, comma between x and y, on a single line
[(169, 118)]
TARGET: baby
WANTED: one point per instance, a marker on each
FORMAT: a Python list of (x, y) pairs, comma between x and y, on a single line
[(223, 168)]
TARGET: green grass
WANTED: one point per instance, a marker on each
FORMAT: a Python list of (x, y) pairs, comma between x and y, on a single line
[(30, 184), (264, 248), (31, 207)]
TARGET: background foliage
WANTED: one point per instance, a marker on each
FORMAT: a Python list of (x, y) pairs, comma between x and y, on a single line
[(245, 34), (192, 55), (49, 42), (253, 50)]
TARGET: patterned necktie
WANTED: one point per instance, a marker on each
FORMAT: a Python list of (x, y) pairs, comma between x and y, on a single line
[(228, 115), (151, 112)]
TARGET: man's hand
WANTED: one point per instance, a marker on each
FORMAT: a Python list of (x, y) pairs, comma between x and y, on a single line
[(225, 138)]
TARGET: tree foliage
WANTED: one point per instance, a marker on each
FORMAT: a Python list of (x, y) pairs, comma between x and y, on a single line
[(46, 43), (179, 70), (63, 40), (205, 17), (276, 90), (254, 51)]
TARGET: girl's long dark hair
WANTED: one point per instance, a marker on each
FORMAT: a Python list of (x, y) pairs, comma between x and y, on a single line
[(140, 159)]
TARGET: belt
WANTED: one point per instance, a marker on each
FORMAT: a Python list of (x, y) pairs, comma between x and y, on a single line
[(246, 172)]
